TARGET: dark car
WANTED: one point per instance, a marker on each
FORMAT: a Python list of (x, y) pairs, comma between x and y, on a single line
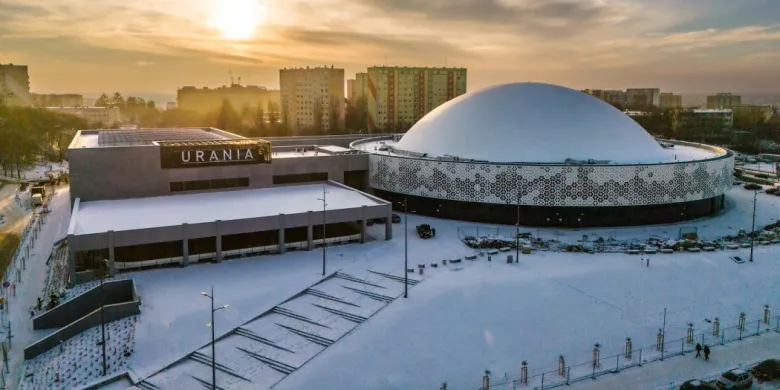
[(734, 379), (396, 218), (695, 384), (768, 370)]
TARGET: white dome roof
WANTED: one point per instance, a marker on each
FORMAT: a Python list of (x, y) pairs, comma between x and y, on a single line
[(531, 122)]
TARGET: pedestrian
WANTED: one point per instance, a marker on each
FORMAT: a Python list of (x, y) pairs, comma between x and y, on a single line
[(698, 350), (648, 262), (706, 352)]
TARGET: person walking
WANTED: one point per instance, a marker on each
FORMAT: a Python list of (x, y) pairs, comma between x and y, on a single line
[(698, 350), (706, 352)]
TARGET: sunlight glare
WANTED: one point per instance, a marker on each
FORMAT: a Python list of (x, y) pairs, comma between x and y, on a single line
[(237, 19)]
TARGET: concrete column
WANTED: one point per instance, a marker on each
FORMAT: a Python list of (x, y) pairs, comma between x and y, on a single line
[(282, 249), (310, 231), (218, 238), (111, 258), (363, 226), (71, 262), (389, 223), (185, 246)]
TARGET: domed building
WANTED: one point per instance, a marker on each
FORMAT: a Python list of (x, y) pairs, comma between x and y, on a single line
[(553, 155)]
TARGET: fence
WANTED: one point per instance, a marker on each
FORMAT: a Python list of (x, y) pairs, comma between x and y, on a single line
[(598, 365)]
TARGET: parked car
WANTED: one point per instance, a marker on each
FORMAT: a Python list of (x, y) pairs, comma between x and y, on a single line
[(771, 191), (695, 384), (396, 218), (768, 370), (752, 186), (734, 379)]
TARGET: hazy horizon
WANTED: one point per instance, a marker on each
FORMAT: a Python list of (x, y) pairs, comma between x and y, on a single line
[(83, 47)]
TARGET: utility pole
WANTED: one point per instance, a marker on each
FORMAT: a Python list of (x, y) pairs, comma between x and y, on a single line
[(324, 242), (517, 230), (753, 227)]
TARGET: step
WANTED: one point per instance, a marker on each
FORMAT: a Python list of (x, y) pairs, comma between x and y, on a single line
[(289, 313), (205, 359), (323, 295), (275, 364), (410, 281), (255, 337), (347, 316), (372, 295), (319, 340), (351, 278)]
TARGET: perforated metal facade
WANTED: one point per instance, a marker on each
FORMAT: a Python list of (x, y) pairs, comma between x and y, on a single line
[(552, 185)]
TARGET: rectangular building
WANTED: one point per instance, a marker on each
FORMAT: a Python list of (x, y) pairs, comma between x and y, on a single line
[(106, 116), (15, 85), (57, 100), (208, 100), (312, 99), (614, 97), (706, 121), (723, 100), (400, 96), (643, 97), (669, 100)]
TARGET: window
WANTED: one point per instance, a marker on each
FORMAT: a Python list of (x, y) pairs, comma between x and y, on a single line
[(213, 184)]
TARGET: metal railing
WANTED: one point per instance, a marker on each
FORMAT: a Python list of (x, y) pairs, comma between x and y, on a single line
[(566, 374)]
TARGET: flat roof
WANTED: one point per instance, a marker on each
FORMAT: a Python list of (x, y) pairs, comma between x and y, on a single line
[(146, 137), (144, 213), (679, 153)]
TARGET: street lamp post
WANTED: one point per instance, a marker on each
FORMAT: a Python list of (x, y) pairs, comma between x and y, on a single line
[(517, 231), (406, 247), (213, 349), (324, 241), (103, 323), (753, 227)]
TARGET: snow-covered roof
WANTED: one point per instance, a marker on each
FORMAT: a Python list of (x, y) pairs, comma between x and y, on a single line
[(144, 213), (531, 122)]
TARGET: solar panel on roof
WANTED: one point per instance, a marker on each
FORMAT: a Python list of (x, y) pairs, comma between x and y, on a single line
[(148, 136)]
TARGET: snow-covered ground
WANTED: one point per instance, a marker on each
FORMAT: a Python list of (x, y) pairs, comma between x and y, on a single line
[(39, 171), (466, 317)]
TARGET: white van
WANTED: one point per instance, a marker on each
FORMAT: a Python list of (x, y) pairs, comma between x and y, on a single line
[(36, 200)]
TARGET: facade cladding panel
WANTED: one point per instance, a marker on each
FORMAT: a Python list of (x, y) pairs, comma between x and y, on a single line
[(554, 195)]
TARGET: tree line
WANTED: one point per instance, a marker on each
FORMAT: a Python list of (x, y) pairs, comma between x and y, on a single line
[(751, 132), (29, 134)]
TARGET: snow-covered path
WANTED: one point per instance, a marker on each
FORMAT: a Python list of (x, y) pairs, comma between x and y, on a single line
[(55, 227), (671, 373)]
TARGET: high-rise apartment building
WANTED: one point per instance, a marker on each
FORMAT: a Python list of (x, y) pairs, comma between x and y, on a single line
[(614, 97), (359, 88), (669, 100), (723, 100), (643, 97), (207, 100), (400, 96), (707, 120), (57, 100), (312, 99), (14, 85)]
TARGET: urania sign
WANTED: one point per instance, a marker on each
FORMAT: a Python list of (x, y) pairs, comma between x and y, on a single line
[(213, 153)]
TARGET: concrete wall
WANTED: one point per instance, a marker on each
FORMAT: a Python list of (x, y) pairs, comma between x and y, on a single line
[(133, 172), (111, 313), (113, 292)]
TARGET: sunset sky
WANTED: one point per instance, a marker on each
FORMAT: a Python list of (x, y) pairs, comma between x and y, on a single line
[(157, 46)]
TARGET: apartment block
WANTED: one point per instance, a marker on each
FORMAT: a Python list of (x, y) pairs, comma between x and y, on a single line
[(15, 85), (400, 96), (669, 100), (312, 99), (208, 100), (643, 97), (707, 120), (105, 116), (357, 88), (57, 100), (723, 100), (614, 97)]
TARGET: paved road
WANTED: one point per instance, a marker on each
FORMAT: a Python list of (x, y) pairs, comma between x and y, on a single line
[(670, 373)]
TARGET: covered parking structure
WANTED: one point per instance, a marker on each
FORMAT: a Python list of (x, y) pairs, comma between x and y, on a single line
[(112, 235)]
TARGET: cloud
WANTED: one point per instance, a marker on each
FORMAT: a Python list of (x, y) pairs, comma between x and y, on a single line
[(143, 63), (548, 18)]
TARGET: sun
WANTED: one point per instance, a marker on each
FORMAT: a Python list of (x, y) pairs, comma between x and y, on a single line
[(237, 19)]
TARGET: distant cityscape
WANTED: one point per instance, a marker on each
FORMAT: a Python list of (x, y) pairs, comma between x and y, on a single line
[(322, 100)]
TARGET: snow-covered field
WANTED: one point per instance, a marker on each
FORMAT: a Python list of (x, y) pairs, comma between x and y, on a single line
[(463, 318), (39, 171)]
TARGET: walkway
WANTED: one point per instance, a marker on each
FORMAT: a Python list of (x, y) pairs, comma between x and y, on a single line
[(671, 373)]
